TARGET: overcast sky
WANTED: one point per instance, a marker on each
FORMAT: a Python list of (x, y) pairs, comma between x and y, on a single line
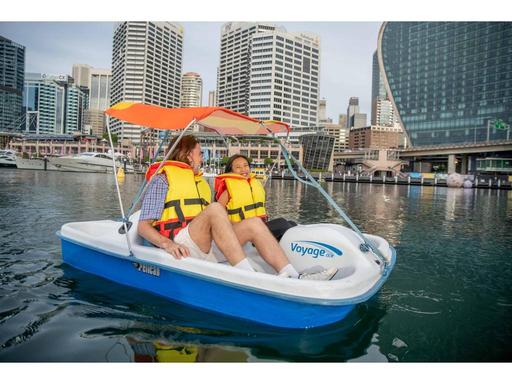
[(346, 52)]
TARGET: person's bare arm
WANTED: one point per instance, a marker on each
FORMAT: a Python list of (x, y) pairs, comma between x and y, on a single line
[(146, 230), (224, 198)]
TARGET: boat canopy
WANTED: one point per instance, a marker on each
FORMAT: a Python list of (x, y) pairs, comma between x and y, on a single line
[(221, 120), (224, 122)]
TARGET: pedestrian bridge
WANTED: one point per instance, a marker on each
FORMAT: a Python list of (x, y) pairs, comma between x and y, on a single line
[(371, 163)]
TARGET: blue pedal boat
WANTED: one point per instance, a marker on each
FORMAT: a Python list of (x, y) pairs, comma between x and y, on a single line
[(114, 250)]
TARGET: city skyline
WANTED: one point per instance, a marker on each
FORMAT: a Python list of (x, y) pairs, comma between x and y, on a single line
[(346, 52)]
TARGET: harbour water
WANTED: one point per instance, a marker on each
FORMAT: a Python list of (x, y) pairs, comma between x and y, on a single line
[(449, 297)]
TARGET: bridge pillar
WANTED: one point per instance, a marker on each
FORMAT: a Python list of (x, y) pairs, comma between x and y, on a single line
[(472, 164), (451, 164), (422, 166), (464, 165)]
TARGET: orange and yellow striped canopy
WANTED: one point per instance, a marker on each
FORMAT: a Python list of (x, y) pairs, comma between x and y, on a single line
[(221, 120)]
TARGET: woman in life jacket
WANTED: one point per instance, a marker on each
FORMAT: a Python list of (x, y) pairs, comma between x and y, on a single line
[(243, 195), (177, 215), (240, 191)]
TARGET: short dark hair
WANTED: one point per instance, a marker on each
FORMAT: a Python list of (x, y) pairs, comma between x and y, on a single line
[(229, 164), (183, 149)]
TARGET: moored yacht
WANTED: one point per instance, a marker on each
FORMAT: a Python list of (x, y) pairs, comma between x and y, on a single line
[(38, 163), (7, 158), (90, 162)]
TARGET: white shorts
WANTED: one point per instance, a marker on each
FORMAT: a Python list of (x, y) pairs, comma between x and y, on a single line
[(214, 255)]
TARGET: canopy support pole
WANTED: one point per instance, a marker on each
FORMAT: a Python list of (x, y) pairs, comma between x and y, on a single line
[(117, 188), (163, 161), (141, 188)]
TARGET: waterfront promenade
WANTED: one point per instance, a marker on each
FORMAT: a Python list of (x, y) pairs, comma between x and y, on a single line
[(481, 181)]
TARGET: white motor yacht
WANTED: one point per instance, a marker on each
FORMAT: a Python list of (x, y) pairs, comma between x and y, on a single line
[(90, 162), (38, 163), (7, 158)]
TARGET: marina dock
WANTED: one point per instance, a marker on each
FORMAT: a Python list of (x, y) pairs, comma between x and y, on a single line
[(479, 182)]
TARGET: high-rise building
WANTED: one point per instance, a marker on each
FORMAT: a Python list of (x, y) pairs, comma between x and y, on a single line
[(358, 120), (383, 113), (235, 59), (270, 74), (292, 72), (191, 90), (146, 67), (44, 104), (375, 137), (378, 87), (81, 74), (53, 104), (342, 120), (12, 75), (339, 132), (448, 81), (382, 108), (322, 111), (336, 130), (98, 82), (76, 104), (354, 118), (352, 109), (212, 99)]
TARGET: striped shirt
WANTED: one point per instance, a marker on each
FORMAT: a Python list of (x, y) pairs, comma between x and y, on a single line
[(154, 198)]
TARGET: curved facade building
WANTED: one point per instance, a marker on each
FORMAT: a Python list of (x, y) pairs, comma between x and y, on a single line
[(191, 90), (449, 81)]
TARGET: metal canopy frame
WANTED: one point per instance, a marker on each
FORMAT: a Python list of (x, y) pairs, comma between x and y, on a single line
[(365, 246)]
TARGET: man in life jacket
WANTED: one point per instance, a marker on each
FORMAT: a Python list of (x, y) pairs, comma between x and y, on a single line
[(177, 215)]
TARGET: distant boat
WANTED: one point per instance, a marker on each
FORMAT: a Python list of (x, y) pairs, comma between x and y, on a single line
[(89, 162), (261, 173), (209, 174), (7, 158), (37, 163)]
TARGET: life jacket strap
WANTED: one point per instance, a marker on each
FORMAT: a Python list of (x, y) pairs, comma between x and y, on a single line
[(177, 208), (237, 211), (196, 201), (259, 204), (172, 227)]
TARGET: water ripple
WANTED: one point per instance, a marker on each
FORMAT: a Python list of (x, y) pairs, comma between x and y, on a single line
[(32, 328), (448, 298)]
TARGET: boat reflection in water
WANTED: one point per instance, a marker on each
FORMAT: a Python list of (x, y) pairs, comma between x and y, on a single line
[(155, 329)]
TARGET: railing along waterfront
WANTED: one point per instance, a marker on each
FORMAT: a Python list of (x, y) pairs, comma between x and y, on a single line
[(481, 181)]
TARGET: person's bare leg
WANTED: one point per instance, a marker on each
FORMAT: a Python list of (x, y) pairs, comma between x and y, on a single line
[(213, 223), (255, 231)]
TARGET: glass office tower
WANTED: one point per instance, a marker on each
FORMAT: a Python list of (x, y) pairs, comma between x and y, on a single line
[(449, 81), (12, 75)]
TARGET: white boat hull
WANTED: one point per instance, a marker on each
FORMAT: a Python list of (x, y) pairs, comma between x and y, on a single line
[(7, 158), (37, 164), (71, 164), (8, 163), (98, 247)]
